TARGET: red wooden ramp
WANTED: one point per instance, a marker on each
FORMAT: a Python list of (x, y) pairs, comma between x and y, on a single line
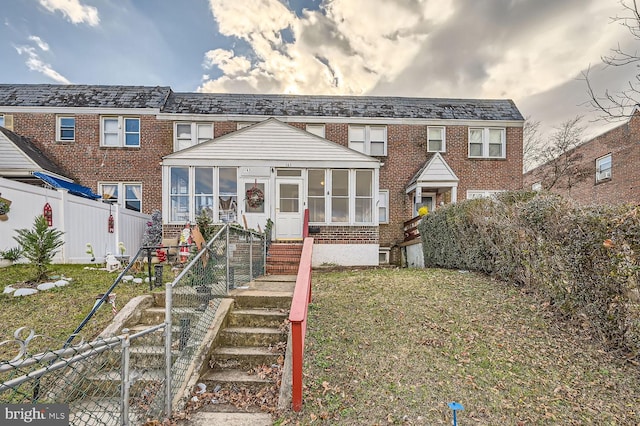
[(283, 258)]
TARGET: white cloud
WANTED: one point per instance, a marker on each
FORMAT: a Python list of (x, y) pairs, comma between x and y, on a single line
[(74, 11), (226, 61), (41, 43), (36, 64)]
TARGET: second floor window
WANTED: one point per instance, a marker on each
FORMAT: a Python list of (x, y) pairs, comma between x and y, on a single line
[(316, 129), (66, 129), (435, 142), (190, 134), (1, 120), (603, 168), (487, 143), (370, 140), (120, 132)]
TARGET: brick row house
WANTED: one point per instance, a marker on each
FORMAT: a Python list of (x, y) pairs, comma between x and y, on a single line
[(607, 168), (361, 165)]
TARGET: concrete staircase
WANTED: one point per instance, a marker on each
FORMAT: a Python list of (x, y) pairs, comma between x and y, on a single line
[(254, 335), (283, 258)]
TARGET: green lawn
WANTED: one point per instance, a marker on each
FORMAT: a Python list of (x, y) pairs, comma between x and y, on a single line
[(54, 314), (391, 346)]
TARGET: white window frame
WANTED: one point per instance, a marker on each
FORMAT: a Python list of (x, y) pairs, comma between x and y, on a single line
[(536, 186), (603, 174), (443, 138), (122, 192), (482, 193), (1, 120), (383, 205), (60, 127), (244, 124), (485, 140), (195, 134), (121, 131), (367, 138), (316, 129)]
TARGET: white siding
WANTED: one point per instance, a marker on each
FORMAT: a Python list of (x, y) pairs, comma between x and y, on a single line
[(11, 158)]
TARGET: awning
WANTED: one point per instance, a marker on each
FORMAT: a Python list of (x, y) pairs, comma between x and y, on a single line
[(72, 188)]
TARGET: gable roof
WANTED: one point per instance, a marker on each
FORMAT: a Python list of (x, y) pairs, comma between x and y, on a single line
[(19, 156), (79, 95), (342, 106), (271, 143), (435, 171)]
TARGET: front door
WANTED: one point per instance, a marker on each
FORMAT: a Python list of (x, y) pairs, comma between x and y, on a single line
[(289, 210)]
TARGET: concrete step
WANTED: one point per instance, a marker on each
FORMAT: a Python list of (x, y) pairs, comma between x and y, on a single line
[(106, 383), (230, 379), (242, 357), (101, 411), (155, 315), (249, 299), (186, 297), (202, 418), (257, 317), (251, 336)]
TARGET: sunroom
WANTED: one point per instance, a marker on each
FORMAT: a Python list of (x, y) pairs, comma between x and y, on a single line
[(273, 171)]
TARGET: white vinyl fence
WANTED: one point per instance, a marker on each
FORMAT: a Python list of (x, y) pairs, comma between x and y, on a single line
[(82, 221)]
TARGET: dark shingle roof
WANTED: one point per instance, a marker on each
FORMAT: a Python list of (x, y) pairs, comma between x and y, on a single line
[(52, 95), (341, 106), (32, 151)]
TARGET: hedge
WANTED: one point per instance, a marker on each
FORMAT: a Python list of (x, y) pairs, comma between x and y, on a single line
[(582, 260)]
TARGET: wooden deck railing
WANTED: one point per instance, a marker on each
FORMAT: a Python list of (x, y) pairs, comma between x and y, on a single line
[(298, 320), (411, 231)]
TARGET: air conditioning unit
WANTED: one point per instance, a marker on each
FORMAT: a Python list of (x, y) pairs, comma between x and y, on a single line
[(606, 174)]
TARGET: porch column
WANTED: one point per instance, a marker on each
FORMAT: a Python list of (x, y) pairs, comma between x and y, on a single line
[(418, 195), (454, 194)]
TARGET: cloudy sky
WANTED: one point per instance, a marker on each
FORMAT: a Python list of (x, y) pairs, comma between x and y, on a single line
[(531, 51)]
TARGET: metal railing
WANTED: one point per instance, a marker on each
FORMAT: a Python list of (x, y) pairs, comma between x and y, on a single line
[(298, 320), (129, 378)]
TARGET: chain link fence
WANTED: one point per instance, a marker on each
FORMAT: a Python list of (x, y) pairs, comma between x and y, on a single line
[(135, 377)]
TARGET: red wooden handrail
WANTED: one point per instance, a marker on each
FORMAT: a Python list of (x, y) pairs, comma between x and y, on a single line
[(298, 320), (305, 225)]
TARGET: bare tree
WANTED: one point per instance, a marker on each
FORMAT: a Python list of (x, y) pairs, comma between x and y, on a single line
[(619, 105), (562, 167), (531, 143)]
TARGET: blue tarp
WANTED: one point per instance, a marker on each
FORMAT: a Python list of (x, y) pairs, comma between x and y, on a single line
[(72, 188)]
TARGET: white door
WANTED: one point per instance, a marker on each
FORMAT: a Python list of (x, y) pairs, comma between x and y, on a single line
[(289, 209)]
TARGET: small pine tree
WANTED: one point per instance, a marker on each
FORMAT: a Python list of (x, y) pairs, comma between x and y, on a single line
[(204, 222), (39, 245), (153, 234)]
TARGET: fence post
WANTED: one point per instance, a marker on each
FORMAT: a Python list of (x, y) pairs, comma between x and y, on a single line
[(251, 256), (228, 262), (124, 388), (168, 302)]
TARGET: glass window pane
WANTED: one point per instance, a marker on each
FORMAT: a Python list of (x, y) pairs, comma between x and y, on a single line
[(228, 181), (132, 139), (204, 180), (67, 134), (363, 209), (357, 146), (475, 150), (183, 131), (316, 183), (435, 145), (179, 180), (109, 191), (205, 131), (377, 148), (383, 207), (316, 129), (179, 208), (377, 134), (132, 205), (435, 133), (110, 125), (495, 150), (475, 136), (132, 125), (340, 182), (495, 136), (316, 209), (340, 209), (289, 197), (111, 139), (364, 180), (204, 205), (289, 172)]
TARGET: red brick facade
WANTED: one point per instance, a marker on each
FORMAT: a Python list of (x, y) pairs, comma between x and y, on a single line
[(623, 143), (89, 163)]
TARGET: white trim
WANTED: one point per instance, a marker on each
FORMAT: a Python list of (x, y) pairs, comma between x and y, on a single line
[(320, 129), (367, 138), (606, 174), (444, 138), (486, 142), (121, 200), (122, 132), (59, 128), (386, 191)]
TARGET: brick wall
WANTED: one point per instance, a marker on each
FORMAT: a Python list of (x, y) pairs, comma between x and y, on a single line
[(346, 235), (85, 161), (88, 163), (623, 143)]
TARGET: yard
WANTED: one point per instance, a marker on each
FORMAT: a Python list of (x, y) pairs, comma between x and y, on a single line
[(393, 346)]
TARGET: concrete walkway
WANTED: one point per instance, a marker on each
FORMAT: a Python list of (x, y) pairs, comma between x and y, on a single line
[(264, 285)]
